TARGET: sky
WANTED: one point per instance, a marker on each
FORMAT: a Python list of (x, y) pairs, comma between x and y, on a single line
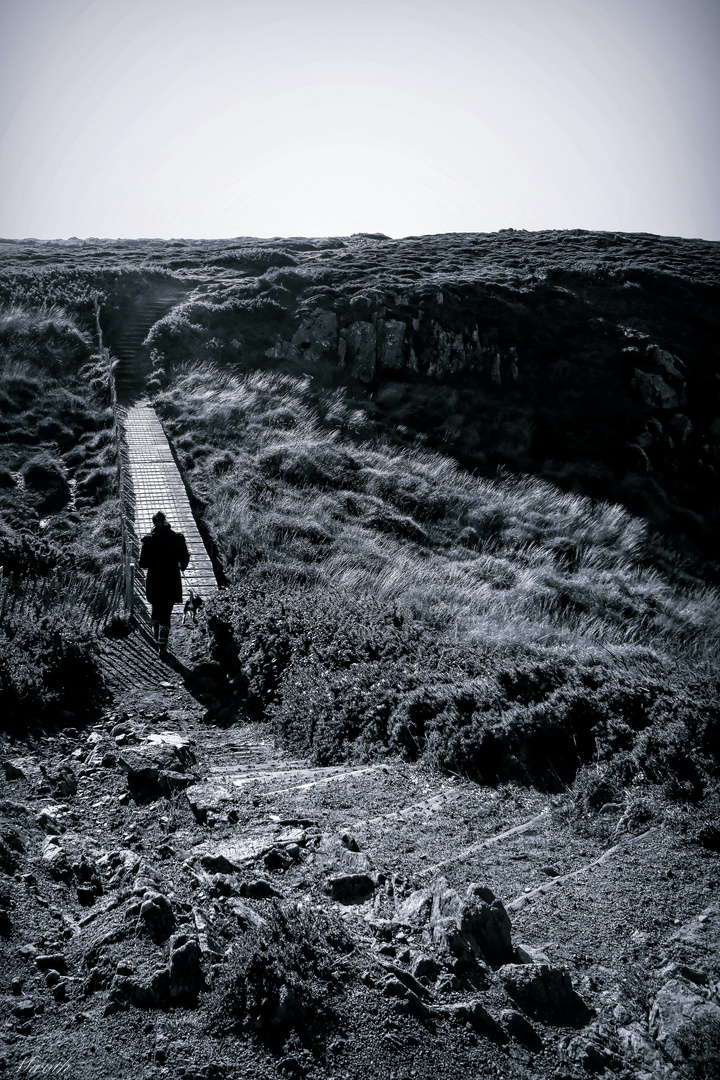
[(224, 118)]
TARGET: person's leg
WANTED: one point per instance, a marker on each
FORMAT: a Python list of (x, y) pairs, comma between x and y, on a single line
[(164, 630)]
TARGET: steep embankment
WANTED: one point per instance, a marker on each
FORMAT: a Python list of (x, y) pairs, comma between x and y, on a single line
[(590, 359)]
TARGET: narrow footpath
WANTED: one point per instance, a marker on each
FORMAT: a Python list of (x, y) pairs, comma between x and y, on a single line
[(158, 485)]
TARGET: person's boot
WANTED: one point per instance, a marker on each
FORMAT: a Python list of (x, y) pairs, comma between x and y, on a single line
[(163, 639), (156, 631)]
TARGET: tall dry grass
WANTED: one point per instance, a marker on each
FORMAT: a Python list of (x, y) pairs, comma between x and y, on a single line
[(510, 559)]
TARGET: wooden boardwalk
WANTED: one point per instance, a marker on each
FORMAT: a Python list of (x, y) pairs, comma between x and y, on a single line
[(157, 485)]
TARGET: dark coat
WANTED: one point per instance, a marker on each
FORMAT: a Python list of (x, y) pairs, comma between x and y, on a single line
[(163, 555)]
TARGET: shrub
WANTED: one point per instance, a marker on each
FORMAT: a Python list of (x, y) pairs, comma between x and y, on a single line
[(44, 476), (281, 978), (48, 670)]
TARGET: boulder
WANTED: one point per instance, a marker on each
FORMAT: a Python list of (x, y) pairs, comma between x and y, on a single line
[(246, 916), (48, 822), (186, 974), (317, 334), (55, 858), (63, 781), (521, 1029), (52, 962), (476, 1015), (154, 768), (161, 743), (146, 880), (152, 993), (143, 774), (594, 1050), (649, 1060), (409, 981), (259, 889), (424, 967), (545, 992), (156, 914), (654, 391), (411, 1005), (24, 768), (350, 888), (415, 910), (686, 1023), (472, 928), (104, 754)]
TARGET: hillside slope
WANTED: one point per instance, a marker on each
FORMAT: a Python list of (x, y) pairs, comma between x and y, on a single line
[(590, 359)]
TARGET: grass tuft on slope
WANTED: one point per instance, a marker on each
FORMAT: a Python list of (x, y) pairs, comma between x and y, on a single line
[(382, 600)]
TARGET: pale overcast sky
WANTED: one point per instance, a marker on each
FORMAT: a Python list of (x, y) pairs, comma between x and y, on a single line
[(212, 118)]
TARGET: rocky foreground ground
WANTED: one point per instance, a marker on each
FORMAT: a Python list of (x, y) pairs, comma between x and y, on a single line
[(474, 931)]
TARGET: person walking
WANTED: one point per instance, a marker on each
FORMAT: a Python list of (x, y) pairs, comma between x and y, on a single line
[(163, 555)]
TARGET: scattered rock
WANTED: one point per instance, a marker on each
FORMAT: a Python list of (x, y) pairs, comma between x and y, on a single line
[(186, 975), (546, 992), (157, 914), (246, 916), (63, 781), (24, 768), (350, 888), (424, 967), (521, 1029), (474, 1014), (218, 864), (52, 961), (686, 1023)]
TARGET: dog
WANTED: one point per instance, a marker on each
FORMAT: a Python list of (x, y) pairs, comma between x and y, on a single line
[(192, 604)]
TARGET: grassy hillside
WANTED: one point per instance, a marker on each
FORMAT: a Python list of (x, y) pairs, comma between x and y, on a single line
[(383, 600), (589, 359), (59, 512)]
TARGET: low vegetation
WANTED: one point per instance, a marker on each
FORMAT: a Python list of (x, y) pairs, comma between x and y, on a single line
[(383, 601), (59, 513), (283, 976)]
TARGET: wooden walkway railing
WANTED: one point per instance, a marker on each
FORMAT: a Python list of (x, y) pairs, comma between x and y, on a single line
[(148, 481)]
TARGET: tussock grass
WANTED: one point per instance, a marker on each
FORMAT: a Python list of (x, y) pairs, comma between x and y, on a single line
[(383, 599), (511, 559)]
